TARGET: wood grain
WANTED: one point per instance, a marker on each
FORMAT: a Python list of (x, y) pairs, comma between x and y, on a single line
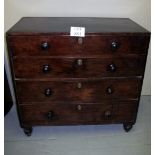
[(61, 25), (68, 67), (63, 80), (68, 114), (66, 45), (68, 91)]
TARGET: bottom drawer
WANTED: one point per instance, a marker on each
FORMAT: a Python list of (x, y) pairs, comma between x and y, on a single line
[(68, 114)]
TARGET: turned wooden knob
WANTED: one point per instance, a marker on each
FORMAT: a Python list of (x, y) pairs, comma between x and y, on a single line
[(79, 85), (48, 92), (45, 46), (46, 68), (109, 90), (80, 41), (111, 67), (107, 114), (79, 107), (79, 62), (50, 115), (114, 46)]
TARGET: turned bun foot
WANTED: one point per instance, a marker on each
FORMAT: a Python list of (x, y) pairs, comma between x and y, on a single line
[(127, 126), (28, 131)]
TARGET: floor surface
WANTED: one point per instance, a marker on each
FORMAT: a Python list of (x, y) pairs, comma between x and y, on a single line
[(81, 140)]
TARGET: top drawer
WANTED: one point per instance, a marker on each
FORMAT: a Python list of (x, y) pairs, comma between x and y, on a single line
[(57, 45)]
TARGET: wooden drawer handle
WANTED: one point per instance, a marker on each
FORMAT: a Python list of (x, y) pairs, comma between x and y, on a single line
[(112, 67), (79, 107), (114, 46), (107, 114), (50, 115), (79, 62), (109, 90), (79, 85), (46, 69), (80, 41), (48, 92), (45, 46)]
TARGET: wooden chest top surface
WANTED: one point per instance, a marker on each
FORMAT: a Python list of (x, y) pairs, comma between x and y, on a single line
[(43, 25)]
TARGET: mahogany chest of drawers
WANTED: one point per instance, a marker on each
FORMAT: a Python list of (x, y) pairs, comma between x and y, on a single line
[(64, 80)]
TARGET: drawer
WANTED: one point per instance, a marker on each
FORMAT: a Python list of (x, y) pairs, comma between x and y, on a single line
[(66, 45), (78, 90), (78, 67), (77, 114)]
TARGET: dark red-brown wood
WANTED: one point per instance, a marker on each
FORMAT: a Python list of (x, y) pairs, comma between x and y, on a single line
[(61, 25), (61, 114), (69, 91), (32, 67), (66, 45), (61, 80)]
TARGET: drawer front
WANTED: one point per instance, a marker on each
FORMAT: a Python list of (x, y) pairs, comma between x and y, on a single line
[(77, 114), (66, 45), (78, 90), (78, 67)]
